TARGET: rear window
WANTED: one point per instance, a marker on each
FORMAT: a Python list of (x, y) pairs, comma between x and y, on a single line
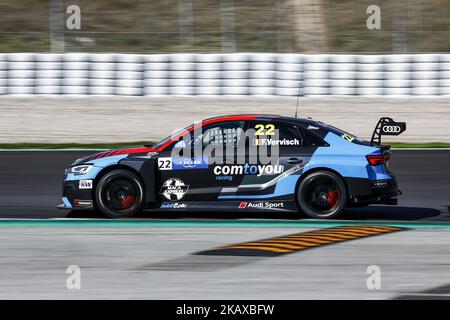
[(346, 135)]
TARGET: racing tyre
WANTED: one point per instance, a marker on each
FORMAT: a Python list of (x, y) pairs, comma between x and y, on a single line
[(119, 193), (322, 195)]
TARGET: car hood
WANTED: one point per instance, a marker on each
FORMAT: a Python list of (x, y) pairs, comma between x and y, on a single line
[(114, 152)]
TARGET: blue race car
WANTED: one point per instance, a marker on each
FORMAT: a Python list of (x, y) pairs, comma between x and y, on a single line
[(239, 163)]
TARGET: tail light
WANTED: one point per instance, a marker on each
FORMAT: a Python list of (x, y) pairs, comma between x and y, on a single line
[(377, 159)]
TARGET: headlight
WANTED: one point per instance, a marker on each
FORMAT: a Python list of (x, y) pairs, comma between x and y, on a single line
[(79, 170)]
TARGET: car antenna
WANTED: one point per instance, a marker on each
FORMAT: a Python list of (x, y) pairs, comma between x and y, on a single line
[(298, 97)]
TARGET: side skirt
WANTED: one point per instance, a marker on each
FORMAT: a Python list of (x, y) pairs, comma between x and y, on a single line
[(227, 206)]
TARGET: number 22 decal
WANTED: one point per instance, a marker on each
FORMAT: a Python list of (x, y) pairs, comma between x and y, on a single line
[(265, 130), (165, 163)]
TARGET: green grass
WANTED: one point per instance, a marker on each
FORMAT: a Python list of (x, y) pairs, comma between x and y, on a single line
[(418, 145), (57, 146)]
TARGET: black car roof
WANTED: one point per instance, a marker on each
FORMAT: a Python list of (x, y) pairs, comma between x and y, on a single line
[(265, 117)]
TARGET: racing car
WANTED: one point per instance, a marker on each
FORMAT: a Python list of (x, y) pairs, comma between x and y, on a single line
[(314, 169)]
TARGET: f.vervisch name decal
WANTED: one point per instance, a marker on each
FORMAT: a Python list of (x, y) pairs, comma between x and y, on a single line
[(273, 142), (248, 169)]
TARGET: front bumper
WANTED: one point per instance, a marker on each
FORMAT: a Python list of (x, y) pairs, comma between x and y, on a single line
[(65, 205), (75, 195)]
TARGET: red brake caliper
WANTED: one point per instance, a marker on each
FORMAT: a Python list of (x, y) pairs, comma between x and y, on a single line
[(332, 197), (128, 201)]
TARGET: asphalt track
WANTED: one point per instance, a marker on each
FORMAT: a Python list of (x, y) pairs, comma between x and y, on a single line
[(156, 255), (30, 187), (123, 262)]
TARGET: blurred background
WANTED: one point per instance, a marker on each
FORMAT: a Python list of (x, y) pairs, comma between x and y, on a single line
[(132, 70), (169, 26)]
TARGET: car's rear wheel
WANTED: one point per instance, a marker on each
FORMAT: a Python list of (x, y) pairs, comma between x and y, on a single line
[(322, 195), (119, 193)]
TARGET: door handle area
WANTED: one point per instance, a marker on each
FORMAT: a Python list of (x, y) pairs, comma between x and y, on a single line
[(294, 161)]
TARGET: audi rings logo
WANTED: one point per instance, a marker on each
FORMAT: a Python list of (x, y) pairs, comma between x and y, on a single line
[(392, 129)]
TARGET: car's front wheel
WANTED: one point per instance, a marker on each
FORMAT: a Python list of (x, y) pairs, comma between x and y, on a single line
[(119, 193), (322, 195)]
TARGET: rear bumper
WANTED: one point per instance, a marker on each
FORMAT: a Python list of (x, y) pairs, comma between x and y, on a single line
[(363, 191)]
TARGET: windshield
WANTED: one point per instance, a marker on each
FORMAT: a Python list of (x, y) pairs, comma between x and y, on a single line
[(167, 139)]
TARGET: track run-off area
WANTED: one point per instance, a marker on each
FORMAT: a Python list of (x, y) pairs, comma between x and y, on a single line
[(161, 256)]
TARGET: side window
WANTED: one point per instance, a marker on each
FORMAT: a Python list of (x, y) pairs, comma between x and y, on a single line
[(290, 136), (314, 140), (226, 133)]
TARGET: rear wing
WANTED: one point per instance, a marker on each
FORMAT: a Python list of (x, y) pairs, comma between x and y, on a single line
[(387, 127)]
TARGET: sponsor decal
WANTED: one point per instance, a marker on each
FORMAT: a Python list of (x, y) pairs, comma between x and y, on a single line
[(173, 205), (248, 169), (261, 205), (164, 163), (224, 178), (188, 163), (347, 137), (182, 163), (310, 127), (174, 189), (272, 142), (85, 184), (82, 203), (391, 129), (379, 184)]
